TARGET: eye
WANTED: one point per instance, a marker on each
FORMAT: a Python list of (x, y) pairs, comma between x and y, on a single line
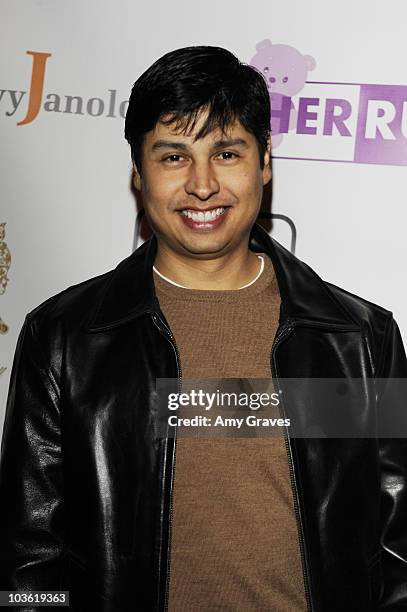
[(285, 79), (228, 155), (172, 158), (272, 79)]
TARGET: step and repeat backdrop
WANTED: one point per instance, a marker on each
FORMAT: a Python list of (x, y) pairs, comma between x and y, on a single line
[(338, 85)]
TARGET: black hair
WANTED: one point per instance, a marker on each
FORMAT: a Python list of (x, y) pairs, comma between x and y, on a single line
[(183, 82)]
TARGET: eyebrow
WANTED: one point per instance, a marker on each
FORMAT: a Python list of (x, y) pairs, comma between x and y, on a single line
[(181, 146)]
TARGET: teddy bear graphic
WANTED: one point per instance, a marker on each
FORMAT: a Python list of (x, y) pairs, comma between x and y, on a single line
[(285, 70)]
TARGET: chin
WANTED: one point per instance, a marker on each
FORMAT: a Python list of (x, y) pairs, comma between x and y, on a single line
[(211, 248)]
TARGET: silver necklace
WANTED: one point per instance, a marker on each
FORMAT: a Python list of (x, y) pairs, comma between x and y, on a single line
[(243, 287)]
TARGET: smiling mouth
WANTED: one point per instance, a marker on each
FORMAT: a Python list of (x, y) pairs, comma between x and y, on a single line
[(203, 216), (203, 221)]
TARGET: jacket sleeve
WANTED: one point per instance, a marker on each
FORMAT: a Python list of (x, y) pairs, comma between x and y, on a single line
[(393, 464), (31, 506)]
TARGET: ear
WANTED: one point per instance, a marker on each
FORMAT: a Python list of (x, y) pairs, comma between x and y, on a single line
[(136, 177), (264, 45), (310, 62), (267, 162)]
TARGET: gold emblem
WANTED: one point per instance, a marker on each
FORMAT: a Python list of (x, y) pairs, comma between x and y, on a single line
[(5, 259), (3, 327), (5, 262)]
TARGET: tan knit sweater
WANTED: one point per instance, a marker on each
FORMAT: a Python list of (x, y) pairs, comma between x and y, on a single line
[(234, 537)]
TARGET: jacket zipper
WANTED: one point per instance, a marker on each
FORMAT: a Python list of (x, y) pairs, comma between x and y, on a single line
[(284, 333), (167, 332)]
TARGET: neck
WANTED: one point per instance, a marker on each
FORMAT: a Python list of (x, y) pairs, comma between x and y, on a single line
[(229, 271)]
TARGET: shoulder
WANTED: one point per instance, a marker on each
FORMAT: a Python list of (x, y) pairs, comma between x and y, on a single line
[(361, 309), (116, 294), (377, 323), (46, 328), (70, 307), (307, 281), (316, 294)]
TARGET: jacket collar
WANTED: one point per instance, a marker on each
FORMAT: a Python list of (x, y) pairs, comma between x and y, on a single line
[(305, 298)]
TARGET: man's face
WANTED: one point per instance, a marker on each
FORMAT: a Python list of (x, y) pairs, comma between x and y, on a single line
[(201, 198)]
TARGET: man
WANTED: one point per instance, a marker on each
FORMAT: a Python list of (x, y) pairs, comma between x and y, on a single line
[(94, 500)]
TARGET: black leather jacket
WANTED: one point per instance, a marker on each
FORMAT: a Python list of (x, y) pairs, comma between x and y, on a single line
[(86, 486)]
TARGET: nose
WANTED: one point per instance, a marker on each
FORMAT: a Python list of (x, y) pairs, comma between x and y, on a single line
[(201, 181)]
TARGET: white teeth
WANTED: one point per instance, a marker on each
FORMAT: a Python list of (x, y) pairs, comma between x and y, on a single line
[(209, 215)]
